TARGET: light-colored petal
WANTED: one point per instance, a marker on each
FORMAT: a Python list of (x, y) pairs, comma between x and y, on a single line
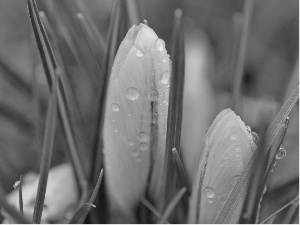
[(136, 117)]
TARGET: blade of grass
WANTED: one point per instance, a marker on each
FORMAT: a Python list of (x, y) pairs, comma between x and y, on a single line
[(175, 105), (151, 207), (81, 214), (133, 12), (21, 195), (113, 43), (279, 210), (248, 8), (18, 217), (290, 214), (50, 65), (180, 169), (171, 206), (238, 192), (46, 155)]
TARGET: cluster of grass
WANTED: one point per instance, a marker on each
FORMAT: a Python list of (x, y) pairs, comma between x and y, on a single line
[(96, 59)]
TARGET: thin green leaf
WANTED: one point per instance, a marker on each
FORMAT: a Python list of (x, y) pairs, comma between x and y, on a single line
[(21, 195), (18, 217), (248, 8), (279, 210), (151, 207), (81, 214), (50, 65), (133, 12), (180, 169), (47, 151), (171, 206), (114, 32), (175, 104), (238, 192)]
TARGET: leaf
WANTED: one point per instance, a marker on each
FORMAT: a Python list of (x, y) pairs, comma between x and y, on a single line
[(51, 70), (172, 205), (81, 214), (46, 155)]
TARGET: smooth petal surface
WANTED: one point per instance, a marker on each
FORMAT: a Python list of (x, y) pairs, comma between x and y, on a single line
[(135, 119), (227, 149)]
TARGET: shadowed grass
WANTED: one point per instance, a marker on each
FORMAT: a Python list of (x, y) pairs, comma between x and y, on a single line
[(47, 151), (50, 65), (81, 214), (175, 106), (180, 169), (272, 216), (171, 206), (21, 195), (248, 8), (238, 192)]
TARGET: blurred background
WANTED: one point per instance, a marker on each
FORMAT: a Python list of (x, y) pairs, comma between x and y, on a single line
[(270, 72)]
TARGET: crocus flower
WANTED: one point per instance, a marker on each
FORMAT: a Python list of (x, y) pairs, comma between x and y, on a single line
[(136, 119), (227, 148)]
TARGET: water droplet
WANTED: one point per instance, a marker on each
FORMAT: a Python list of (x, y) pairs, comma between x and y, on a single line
[(210, 200), (153, 96), (235, 179), (255, 137), (209, 192), (233, 136), (130, 142), (248, 129), (134, 152), (160, 44), (164, 77), (115, 107), (16, 185), (139, 53), (265, 190), (143, 137), (143, 146), (238, 148), (132, 93), (281, 153), (164, 59)]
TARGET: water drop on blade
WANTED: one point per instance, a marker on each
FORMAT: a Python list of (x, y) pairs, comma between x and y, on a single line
[(165, 76), (132, 93), (160, 44), (281, 153), (139, 53), (115, 107), (209, 192)]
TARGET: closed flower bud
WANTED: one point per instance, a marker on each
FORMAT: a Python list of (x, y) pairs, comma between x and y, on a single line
[(136, 118), (228, 147)]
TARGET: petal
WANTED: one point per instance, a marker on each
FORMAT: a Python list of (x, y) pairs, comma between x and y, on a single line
[(136, 112)]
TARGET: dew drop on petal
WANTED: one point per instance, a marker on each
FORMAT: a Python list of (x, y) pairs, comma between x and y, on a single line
[(143, 146), (165, 76), (115, 107), (210, 200), (233, 136), (209, 192), (238, 148), (132, 93), (134, 152), (255, 137), (235, 179), (143, 136), (130, 142), (160, 44), (139, 53), (281, 153)]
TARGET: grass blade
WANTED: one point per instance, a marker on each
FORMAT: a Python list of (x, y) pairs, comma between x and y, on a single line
[(46, 155), (133, 12), (180, 169), (238, 192), (81, 214), (279, 210), (21, 195), (50, 68), (288, 218), (19, 218), (174, 120), (172, 205), (248, 8)]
